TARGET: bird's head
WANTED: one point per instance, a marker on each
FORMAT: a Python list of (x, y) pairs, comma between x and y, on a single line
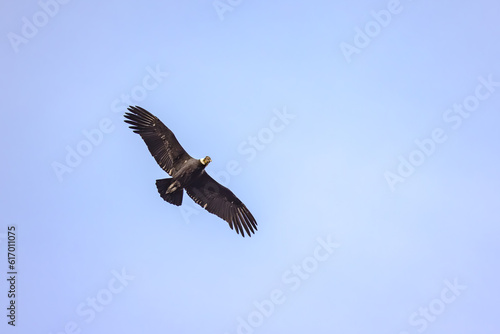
[(205, 161)]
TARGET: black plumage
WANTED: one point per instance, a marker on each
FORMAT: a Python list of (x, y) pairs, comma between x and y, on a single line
[(188, 173)]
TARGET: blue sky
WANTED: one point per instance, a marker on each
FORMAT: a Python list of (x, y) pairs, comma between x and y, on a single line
[(363, 136)]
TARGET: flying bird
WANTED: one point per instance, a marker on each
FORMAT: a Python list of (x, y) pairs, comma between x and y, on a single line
[(188, 173)]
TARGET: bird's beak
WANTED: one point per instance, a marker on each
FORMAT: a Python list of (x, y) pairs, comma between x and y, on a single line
[(206, 160)]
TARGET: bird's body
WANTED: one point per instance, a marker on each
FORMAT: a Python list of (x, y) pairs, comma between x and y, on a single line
[(188, 173), (189, 170)]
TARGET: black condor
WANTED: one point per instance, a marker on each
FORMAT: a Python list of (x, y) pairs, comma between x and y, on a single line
[(188, 173)]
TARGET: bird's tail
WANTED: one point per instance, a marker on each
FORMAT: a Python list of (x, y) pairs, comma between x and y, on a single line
[(174, 197)]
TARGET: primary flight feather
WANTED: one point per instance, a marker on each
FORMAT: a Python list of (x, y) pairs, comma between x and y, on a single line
[(188, 173)]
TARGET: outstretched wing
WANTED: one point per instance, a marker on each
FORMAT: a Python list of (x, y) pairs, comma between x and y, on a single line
[(219, 200), (160, 141)]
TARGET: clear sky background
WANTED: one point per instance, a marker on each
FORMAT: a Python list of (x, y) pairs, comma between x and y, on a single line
[(362, 135)]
